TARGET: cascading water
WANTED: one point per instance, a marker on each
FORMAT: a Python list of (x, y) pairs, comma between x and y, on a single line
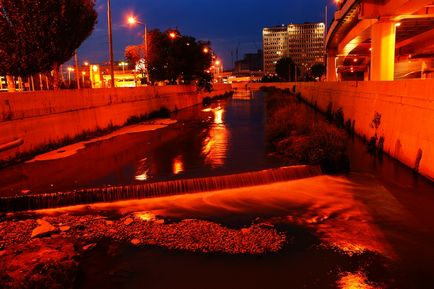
[(157, 189)]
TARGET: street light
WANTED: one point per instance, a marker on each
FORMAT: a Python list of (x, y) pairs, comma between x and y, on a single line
[(133, 21), (70, 69), (123, 64)]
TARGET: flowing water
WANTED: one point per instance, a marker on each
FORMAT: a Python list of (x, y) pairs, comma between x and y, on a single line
[(222, 139), (372, 228)]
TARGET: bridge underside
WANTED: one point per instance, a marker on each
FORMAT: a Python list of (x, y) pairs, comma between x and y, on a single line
[(371, 41)]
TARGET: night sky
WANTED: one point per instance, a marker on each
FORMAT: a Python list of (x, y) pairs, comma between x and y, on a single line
[(226, 23)]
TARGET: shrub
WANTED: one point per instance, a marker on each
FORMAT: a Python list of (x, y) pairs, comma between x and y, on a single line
[(298, 139)]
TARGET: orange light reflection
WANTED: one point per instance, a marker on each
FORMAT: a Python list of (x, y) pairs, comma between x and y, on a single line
[(178, 165), (215, 145), (355, 281), (142, 173)]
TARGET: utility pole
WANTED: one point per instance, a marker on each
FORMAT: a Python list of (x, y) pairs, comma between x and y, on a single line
[(77, 77), (109, 20), (146, 55)]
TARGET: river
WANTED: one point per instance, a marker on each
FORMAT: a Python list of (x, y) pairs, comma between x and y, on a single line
[(371, 228)]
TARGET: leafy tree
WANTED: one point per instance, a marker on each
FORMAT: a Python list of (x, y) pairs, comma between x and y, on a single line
[(133, 54), (38, 36), (317, 70), (178, 60), (286, 69)]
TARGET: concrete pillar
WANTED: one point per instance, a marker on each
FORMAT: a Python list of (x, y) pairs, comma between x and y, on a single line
[(331, 66), (383, 50)]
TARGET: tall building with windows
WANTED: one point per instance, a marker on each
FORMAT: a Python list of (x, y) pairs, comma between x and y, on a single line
[(304, 43), (275, 46)]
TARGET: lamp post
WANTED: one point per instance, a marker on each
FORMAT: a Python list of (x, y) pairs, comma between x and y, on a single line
[(123, 64), (133, 21), (69, 75), (109, 20)]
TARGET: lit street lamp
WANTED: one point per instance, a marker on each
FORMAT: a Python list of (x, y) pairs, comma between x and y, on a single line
[(123, 64), (133, 21), (70, 69)]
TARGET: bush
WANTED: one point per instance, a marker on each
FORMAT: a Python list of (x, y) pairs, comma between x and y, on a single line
[(299, 139)]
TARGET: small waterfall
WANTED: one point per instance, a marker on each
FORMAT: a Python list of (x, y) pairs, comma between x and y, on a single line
[(157, 189)]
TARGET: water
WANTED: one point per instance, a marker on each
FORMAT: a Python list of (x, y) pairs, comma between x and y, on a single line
[(372, 228), (156, 189), (226, 138)]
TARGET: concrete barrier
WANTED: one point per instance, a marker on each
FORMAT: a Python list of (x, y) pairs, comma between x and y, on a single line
[(40, 118), (404, 109)]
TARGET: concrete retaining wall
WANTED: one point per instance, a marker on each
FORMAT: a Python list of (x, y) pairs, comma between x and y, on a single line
[(406, 108), (39, 118)]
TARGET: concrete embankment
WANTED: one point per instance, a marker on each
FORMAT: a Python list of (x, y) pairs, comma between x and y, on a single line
[(400, 113), (30, 120)]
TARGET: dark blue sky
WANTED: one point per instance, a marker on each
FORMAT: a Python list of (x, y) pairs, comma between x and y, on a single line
[(226, 23)]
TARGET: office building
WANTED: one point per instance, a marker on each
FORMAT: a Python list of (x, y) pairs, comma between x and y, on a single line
[(303, 43)]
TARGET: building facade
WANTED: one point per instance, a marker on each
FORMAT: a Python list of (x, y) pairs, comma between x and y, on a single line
[(303, 43), (275, 46), (250, 62), (306, 44)]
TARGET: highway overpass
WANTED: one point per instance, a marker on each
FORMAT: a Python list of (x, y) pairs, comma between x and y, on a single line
[(381, 40)]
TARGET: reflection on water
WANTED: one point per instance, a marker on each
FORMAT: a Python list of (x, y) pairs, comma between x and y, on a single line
[(215, 145), (178, 165), (227, 137), (355, 281), (142, 173)]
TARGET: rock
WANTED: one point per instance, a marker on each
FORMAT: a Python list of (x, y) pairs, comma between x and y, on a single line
[(40, 264), (89, 246), (65, 228), (128, 221), (145, 216), (43, 229), (246, 230), (135, 242)]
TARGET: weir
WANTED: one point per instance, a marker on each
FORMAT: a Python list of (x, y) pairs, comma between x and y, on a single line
[(157, 189)]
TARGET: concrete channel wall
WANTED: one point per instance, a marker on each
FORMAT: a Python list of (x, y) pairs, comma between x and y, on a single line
[(405, 110), (29, 120)]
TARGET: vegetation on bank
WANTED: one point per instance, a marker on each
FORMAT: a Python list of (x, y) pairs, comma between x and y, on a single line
[(299, 137), (207, 100)]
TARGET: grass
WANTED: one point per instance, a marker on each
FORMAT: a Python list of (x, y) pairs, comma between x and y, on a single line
[(298, 138)]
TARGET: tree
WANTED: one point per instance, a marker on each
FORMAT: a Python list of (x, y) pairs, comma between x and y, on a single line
[(180, 59), (38, 36), (133, 54), (317, 70), (286, 69)]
